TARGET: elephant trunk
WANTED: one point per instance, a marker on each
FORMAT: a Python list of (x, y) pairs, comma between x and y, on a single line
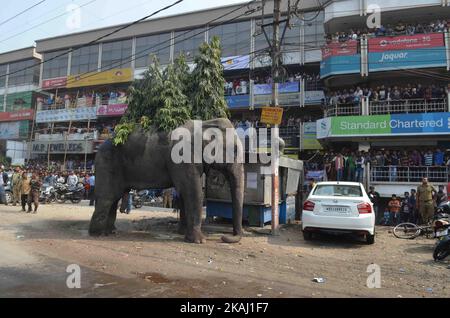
[(235, 176)]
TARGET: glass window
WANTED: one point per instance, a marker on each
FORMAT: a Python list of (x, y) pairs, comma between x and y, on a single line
[(147, 46), (338, 190), (116, 54), (234, 37), (3, 69), (23, 73), (189, 42), (314, 30), (84, 60), (292, 36), (55, 67), (260, 39)]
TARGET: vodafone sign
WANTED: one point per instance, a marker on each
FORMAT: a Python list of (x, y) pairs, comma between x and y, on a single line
[(407, 42)]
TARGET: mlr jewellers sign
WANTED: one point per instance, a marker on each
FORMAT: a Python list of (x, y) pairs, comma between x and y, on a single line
[(62, 147)]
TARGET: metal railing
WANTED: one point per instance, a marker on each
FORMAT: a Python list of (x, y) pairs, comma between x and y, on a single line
[(409, 174), (435, 105), (346, 109), (74, 103)]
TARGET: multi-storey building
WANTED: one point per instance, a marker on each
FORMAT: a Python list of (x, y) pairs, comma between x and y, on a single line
[(87, 87), (19, 82), (399, 73)]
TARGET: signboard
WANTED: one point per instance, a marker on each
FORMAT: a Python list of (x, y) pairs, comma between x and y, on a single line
[(406, 42), (64, 115), (407, 59), (266, 89), (98, 78), (309, 140), (384, 125), (314, 97), (112, 110), (340, 49), (18, 101), (336, 65), (238, 101), (26, 114), (54, 82), (10, 130), (272, 115), (78, 147), (236, 62)]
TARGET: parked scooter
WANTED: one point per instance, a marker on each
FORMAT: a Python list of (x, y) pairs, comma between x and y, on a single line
[(48, 194), (64, 193)]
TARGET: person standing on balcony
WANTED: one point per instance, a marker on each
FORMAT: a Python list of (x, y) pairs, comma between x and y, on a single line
[(428, 158), (425, 204), (438, 158)]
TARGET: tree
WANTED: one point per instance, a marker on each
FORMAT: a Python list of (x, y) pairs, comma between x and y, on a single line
[(207, 95)]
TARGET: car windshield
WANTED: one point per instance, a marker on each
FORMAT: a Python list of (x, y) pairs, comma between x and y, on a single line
[(337, 190)]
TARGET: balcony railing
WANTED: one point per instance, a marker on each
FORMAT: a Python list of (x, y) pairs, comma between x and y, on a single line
[(409, 174), (62, 136), (81, 102), (343, 110), (404, 106)]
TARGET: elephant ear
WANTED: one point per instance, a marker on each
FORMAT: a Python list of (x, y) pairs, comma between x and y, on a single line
[(163, 139)]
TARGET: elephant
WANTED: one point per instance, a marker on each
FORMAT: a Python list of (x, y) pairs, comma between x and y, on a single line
[(145, 161)]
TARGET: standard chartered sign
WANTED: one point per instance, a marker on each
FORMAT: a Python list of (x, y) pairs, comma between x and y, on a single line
[(396, 124)]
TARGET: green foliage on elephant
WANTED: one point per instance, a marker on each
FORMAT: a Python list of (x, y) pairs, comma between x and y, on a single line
[(167, 98), (208, 100)]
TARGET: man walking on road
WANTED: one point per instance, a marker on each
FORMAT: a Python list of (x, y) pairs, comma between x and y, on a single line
[(91, 182), (16, 185), (35, 187), (25, 191), (425, 204)]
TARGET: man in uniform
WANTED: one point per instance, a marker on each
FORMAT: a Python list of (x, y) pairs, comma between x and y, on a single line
[(16, 184), (425, 204)]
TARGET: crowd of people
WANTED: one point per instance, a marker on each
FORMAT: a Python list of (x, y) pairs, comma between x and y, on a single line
[(288, 121), (241, 86), (349, 165), (42, 165), (387, 93), (401, 28), (82, 99)]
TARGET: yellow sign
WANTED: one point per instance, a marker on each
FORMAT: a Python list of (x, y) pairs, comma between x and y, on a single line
[(272, 115), (98, 78)]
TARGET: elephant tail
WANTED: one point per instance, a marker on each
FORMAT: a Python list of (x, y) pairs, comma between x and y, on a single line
[(231, 239)]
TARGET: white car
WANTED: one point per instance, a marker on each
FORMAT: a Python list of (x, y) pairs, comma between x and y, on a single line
[(341, 207)]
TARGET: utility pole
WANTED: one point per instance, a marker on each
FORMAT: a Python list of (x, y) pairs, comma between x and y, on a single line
[(276, 58)]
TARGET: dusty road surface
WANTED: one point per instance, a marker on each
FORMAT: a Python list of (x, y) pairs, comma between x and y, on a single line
[(146, 258)]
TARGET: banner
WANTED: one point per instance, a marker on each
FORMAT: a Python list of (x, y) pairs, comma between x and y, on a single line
[(266, 89), (10, 130), (64, 115), (54, 82), (98, 78), (336, 65), (112, 110), (78, 147), (407, 59), (314, 97), (26, 114), (340, 49), (272, 115), (384, 125), (238, 101), (309, 140), (236, 62), (406, 42)]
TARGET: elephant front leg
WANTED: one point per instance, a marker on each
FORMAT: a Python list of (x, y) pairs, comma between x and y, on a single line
[(99, 222), (182, 224)]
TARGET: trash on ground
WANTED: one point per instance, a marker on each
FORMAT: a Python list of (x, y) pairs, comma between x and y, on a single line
[(103, 285), (19, 237), (319, 280)]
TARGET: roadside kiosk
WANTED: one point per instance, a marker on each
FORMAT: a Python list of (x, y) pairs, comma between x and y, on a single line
[(257, 193)]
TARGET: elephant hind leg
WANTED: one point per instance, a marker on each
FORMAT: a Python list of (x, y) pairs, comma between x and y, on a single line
[(104, 217)]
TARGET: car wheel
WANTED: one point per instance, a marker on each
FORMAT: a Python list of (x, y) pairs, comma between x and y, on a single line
[(370, 239), (307, 236)]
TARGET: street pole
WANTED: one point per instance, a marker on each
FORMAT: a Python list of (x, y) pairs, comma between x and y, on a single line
[(275, 102)]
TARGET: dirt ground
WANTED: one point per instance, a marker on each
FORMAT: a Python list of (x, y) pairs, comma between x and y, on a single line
[(146, 258)]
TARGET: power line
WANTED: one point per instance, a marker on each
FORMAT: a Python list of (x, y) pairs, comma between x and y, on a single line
[(98, 39), (130, 58), (45, 22), (22, 12)]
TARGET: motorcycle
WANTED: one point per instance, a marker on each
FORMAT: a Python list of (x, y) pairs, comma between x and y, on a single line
[(47, 194), (146, 197), (442, 249), (64, 193)]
